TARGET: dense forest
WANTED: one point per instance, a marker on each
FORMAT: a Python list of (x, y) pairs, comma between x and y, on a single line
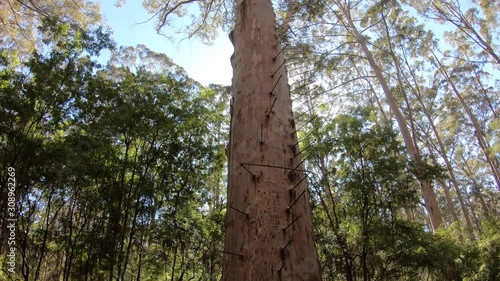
[(118, 170)]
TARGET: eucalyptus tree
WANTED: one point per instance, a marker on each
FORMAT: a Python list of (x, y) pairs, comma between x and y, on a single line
[(472, 40), (115, 164), (268, 223), (407, 43), (478, 128), (35, 104), (20, 20), (352, 24), (475, 22), (362, 180)]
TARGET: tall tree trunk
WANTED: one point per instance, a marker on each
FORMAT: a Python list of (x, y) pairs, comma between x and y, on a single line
[(69, 244), (428, 193), (48, 222), (477, 188), (478, 133), (451, 173), (441, 148), (268, 221)]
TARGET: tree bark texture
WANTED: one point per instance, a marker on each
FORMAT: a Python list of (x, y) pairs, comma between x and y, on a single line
[(268, 221)]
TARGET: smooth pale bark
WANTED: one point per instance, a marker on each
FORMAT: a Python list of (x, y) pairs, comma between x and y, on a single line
[(451, 207), (483, 144), (449, 201), (441, 150), (454, 15), (268, 226), (468, 171), (451, 173), (428, 194)]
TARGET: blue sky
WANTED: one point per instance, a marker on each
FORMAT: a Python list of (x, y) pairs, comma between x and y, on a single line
[(205, 64)]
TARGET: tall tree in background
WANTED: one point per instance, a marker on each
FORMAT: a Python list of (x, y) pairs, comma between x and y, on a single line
[(476, 23), (20, 19), (344, 13)]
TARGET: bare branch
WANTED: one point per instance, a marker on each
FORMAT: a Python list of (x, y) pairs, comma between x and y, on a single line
[(166, 13)]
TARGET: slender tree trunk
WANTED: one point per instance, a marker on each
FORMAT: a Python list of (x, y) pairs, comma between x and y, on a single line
[(441, 148), (478, 130), (48, 222), (449, 201), (347, 267), (125, 224), (477, 188), (268, 222), (385, 118), (428, 193), (451, 173), (69, 252), (139, 266), (87, 263), (479, 196), (172, 274), (458, 19), (483, 92), (474, 216), (136, 211)]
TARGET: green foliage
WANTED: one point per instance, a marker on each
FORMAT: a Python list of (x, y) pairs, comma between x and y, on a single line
[(368, 187), (120, 168), (489, 252), (425, 171), (117, 169), (365, 184), (204, 19), (20, 20)]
